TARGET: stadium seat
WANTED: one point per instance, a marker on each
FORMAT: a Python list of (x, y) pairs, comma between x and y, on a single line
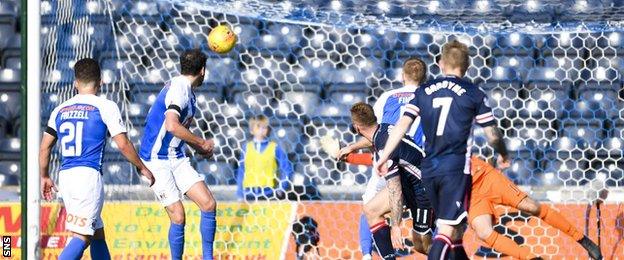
[(327, 109), (514, 43), (414, 42), (217, 172), (7, 30), (520, 64), (589, 132), (523, 171), (546, 75), (562, 44), (255, 101), (280, 38), (610, 148), (307, 100), (315, 69), (10, 104), (336, 127), (503, 98), (565, 172), (288, 135), (586, 109), (247, 34), (348, 98), (538, 131), (318, 171), (119, 172), (356, 175), (618, 128), (10, 167)]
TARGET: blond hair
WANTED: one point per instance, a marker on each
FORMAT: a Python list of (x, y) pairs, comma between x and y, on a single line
[(455, 55), (258, 120), (414, 69)]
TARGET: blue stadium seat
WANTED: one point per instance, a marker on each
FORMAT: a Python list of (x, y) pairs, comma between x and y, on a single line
[(309, 101), (318, 171), (7, 30), (514, 43), (503, 98), (523, 171), (554, 94), (8, 180), (288, 135), (328, 109), (601, 74), (609, 171), (337, 127), (119, 172), (255, 101), (247, 34), (10, 104), (618, 128), (504, 74), (538, 131), (348, 98), (315, 69), (356, 175), (10, 167), (600, 59), (521, 64), (348, 76), (610, 148), (605, 95), (217, 172), (588, 132), (565, 172), (413, 42), (563, 43), (589, 109), (280, 37), (220, 70), (565, 147), (546, 75)]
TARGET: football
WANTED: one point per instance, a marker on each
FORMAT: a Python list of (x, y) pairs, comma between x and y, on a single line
[(222, 39)]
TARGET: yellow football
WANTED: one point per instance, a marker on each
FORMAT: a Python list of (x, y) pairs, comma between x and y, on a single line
[(222, 39)]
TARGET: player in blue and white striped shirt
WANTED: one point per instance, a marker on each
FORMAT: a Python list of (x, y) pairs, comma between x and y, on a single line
[(166, 132), (82, 124)]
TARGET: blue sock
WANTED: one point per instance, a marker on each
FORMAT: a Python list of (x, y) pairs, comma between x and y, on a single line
[(207, 227), (366, 237), (176, 240), (99, 250), (441, 247), (73, 250), (383, 240)]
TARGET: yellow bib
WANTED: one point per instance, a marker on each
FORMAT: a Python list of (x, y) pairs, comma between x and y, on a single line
[(260, 168)]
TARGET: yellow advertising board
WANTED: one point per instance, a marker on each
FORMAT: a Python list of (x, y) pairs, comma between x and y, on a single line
[(138, 230)]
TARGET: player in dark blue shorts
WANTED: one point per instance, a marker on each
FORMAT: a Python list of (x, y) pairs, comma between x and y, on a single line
[(403, 186), (447, 107)]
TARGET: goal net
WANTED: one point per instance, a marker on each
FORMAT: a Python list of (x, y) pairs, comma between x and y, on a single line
[(552, 73)]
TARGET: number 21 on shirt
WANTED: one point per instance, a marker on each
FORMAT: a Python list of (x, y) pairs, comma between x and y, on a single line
[(71, 132), (445, 104)]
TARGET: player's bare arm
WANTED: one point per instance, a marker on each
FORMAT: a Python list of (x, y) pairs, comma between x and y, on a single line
[(127, 150), (360, 144), (495, 139), (173, 125), (394, 139), (47, 185), (395, 201)]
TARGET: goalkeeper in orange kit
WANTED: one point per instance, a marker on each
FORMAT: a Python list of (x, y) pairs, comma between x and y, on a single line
[(490, 187)]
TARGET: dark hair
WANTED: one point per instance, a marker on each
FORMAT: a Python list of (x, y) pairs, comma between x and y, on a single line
[(363, 114), (415, 70), (87, 70), (192, 62), (455, 55)]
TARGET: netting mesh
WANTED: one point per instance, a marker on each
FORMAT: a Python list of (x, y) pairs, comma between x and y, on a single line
[(554, 81)]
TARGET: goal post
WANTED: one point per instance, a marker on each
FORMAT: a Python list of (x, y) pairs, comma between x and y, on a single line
[(31, 127)]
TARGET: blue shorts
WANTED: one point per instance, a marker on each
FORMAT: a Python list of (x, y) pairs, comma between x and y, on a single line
[(417, 201), (449, 196)]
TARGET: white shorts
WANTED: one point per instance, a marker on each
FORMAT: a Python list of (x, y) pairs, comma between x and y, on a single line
[(82, 191), (174, 177), (375, 185)]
